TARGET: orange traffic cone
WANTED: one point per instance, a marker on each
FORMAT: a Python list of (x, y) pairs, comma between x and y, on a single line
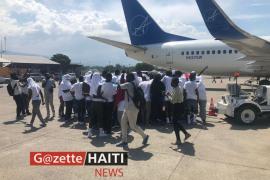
[(212, 109)]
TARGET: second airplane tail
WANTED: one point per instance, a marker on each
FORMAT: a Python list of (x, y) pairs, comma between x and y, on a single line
[(143, 29)]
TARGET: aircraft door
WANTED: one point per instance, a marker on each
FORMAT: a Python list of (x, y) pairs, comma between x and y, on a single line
[(169, 57)]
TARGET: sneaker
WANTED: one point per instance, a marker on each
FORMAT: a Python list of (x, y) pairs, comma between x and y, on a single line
[(187, 136), (89, 135), (28, 113), (43, 124), (177, 142), (102, 134), (81, 123), (122, 144), (145, 140)]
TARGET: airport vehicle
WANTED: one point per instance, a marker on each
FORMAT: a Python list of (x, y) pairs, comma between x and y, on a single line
[(232, 50), (37, 77), (2, 80), (244, 107)]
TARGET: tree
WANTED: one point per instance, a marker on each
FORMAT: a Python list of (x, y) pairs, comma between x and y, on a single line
[(62, 59), (144, 67)]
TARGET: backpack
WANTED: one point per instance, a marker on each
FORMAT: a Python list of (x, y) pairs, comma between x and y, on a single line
[(85, 89), (10, 90), (138, 98)]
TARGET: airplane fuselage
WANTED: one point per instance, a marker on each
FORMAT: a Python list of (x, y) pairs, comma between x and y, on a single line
[(187, 56)]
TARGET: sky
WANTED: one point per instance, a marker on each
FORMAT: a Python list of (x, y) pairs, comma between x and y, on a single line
[(47, 27)]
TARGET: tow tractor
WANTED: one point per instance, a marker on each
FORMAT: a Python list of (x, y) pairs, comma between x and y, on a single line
[(243, 106)]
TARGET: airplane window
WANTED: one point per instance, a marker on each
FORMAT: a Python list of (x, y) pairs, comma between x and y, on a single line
[(192, 52), (202, 52), (224, 52), (235, 51), (219, 51), (208, 52), (230, 51), (187, 53), (182, 53), (213, 52), (198, 52)]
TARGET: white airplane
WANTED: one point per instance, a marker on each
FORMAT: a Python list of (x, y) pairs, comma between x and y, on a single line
[(232, 50)]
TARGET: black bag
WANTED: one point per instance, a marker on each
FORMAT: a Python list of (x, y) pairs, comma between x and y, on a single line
[(85, 89), (10, 90), (138, 98)]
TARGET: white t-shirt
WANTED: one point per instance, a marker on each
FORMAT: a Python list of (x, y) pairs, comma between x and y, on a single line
[(35, 93), (116, 79), (182, 82), (167, 80), (108, 90), (146, 85), (77, 89), (190, 87), (202, 91), (66, 96)]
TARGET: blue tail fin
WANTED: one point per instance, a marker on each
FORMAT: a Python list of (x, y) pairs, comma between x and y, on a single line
[(142, 28), (217, 22)]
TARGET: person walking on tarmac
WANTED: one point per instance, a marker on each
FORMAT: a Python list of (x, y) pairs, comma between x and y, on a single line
[(202, 99), (130, 112), (48, 84), (37, 96), (176, 97), (191, 95)]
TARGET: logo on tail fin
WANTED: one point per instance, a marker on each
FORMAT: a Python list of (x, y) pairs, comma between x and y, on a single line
[(140, 25), (213, 15)]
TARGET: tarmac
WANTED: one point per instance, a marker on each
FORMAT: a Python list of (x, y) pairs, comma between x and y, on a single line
[(225, 150)]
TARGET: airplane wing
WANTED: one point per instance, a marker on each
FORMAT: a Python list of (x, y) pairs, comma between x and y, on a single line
[(120, 45), (224, 29)]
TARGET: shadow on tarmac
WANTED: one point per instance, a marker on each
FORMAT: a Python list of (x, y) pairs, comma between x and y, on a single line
[(31, 130), (261, 123), (14, 121), (138, 154), (187, 148)]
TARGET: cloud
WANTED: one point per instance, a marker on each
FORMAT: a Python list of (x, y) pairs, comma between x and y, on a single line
[(49, 26)]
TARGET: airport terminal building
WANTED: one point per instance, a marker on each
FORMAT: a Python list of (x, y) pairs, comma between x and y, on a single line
[(22, 63)]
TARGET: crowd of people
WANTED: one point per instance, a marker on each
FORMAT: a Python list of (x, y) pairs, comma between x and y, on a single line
[(122, 99)]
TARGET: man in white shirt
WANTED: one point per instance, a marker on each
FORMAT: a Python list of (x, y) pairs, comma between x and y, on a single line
[(146, 86), (167, 80), (65, 87), (202, 98), (77, 92), (108, 91), (130, 113), (116, 77), (191, 94)]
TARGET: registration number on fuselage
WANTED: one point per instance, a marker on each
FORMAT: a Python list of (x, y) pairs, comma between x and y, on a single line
[(193, 57)]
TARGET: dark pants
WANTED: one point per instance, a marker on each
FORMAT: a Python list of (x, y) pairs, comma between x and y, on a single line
[(19, 103), (108, 113), (69, 105), (81, 109), (178, 110), (97, 113), (192, 106), (92, 123), (168, 106), (25, 101), (156, 109), (61, 108), (36, 111)]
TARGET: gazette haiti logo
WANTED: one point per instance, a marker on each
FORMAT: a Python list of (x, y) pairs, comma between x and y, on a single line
[(140, 25)]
